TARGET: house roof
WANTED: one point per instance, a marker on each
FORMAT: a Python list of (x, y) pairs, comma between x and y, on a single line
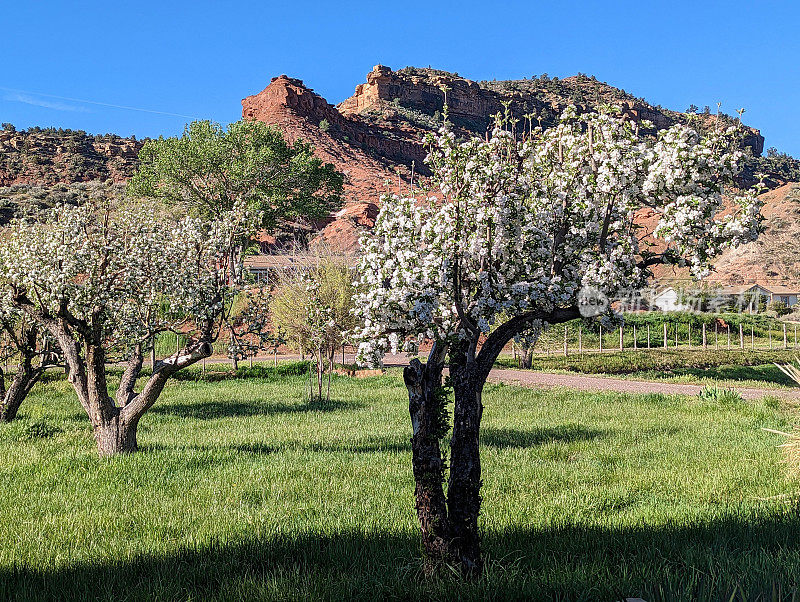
[(661, 291), (275, 261), (785, 290), (739, 289)]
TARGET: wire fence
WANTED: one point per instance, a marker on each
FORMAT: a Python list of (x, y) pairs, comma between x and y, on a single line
[(576, 338)]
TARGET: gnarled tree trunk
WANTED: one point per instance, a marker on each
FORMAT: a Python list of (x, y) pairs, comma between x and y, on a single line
[(26, 376), (116, 436), (464, 484), (22, 384), (526, 357), (427, 405), (114, 422), (449, 523)]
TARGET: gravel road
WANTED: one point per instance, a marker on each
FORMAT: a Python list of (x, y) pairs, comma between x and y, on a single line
[(583, 382)]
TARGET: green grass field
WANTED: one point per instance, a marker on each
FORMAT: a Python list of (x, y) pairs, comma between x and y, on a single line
[(243, 490), (722, 367)]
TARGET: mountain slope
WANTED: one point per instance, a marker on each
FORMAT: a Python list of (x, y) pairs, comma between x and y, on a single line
[(772, 259), (375, 136), (56, 156)]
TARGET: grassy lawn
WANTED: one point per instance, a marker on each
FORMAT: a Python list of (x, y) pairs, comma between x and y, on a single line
[(244, 490), (722, 367)]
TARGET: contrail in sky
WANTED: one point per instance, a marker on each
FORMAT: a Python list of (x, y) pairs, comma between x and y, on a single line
[(47, 104), (91, 102)]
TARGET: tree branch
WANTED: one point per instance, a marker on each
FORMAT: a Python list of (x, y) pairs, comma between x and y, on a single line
[(165, 368), (501, 336)]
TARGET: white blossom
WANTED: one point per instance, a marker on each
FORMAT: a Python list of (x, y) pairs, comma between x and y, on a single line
[(522, 225)]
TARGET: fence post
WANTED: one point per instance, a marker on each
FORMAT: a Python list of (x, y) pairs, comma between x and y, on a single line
[(566, 345), (648, 336), (770, 336), (729, 336), (785, 341), (690, 335), (620, 338), (635, 343), (676, 335), (716, 335), (665, 335), (705, 343), (580, 339), (752, 336), (741, 336), (601, 338)]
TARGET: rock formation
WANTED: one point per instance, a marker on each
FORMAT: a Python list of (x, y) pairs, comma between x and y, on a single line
[(375, 137), (56, 156)]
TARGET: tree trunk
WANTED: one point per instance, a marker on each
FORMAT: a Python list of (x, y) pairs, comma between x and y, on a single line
[(526, 358), (127, 384), (463, 488), (116, 436), (320, 372), (16, 393), (427, 406), (26, 375), (449, 524)]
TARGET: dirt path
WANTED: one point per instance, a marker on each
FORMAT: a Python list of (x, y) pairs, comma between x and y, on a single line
[(583, 382)]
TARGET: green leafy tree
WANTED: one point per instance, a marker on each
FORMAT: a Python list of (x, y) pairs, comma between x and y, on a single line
[(210, 169)]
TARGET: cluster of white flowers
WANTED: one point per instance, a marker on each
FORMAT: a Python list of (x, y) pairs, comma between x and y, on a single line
[(521, 225), (127, 266)]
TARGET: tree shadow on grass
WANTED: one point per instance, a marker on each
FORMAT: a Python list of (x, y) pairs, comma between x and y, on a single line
[(500, 438), (503, 438), (706, 560), (210, 410)]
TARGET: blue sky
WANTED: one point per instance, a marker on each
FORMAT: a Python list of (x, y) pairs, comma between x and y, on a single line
[(175, 60)]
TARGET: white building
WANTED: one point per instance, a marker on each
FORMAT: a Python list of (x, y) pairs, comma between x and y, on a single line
[(668, 299)]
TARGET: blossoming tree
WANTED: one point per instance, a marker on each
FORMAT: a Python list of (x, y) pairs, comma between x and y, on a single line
[(520, 225), (103, 277)]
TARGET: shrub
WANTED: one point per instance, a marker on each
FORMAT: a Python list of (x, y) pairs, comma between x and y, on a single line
[(779, 307), (791, 449), (39, 429), (261, 370), (720, 395)]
